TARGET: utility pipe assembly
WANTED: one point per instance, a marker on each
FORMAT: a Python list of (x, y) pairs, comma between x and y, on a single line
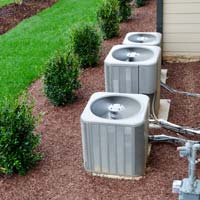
[(188, 188)]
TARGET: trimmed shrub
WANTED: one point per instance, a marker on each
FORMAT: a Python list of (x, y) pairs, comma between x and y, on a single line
[(61, 78), (85, 42), (108, 18), (140, 3), (124, 9), (17, 139)]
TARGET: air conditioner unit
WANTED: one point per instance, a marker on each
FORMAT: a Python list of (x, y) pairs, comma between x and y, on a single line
[(143, 38), (135, 70), (114, 130)]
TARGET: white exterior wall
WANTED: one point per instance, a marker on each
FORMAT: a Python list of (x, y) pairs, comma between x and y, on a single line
[(181, 29)]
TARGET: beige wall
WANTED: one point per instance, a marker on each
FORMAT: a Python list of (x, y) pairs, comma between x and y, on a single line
[(181, 28)]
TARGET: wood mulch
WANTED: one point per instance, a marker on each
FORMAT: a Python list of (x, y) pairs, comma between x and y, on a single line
[(12, 14), (61, 176)]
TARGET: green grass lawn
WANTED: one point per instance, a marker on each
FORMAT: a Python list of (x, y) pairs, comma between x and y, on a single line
[(4, 2), (25, 49)]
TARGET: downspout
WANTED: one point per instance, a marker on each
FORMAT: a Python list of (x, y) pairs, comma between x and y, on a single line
[(159, 27)]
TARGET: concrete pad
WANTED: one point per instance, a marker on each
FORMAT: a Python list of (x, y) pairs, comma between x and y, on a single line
[(136, 178), (163, 76), (163, 112), (164, 103), (149, 149)]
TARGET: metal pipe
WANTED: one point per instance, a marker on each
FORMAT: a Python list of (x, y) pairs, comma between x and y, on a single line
[(160, 16), (190, 151), (192, 167)]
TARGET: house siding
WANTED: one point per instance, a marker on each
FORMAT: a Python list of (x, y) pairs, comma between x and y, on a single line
[(181, 28)]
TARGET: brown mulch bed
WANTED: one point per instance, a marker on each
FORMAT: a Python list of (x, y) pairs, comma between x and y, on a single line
[(61, 176), (12, 14)]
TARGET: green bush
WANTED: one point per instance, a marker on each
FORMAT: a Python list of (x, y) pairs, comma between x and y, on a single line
[(140, 3), (108, 18), (124, 9), (61, 78), (85, 42), (17, 139)]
